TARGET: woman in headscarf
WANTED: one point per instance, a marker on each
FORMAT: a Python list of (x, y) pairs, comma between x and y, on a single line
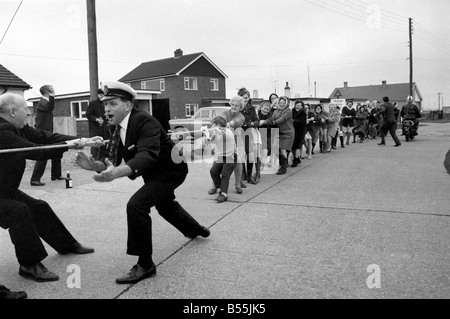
[(282, 118)]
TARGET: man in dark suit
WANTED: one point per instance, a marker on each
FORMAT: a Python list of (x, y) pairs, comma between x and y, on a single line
[(147, 151), (389, 122), (27, 218), (95, 114), (44, 121)]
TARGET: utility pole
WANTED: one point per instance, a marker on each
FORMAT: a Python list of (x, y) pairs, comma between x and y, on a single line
[(315, 89), (439, 101), (92, 44), (410, 57), (309, 84)]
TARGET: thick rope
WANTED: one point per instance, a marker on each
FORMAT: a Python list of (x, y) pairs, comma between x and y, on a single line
[(46, 147), (37, 148)]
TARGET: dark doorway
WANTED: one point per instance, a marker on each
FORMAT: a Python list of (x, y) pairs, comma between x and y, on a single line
[(161, 111)]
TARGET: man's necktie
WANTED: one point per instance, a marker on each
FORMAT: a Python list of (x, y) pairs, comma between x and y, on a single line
[(114, 146)]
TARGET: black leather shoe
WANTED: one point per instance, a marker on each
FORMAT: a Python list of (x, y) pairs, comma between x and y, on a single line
[(37, 273), (5, 293), (136, 274), (77, 248), (59, 178), (36, 183), (381, 144), (202, 231), (397, 145)]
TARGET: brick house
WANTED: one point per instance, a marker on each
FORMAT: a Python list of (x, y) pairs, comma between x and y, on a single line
[(75, 105), (396, 93), (187, 82)]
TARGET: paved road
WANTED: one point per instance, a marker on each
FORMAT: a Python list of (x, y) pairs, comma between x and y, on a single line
[(339, 223)]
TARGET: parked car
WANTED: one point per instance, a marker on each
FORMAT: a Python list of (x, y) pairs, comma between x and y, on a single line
[(191, 127)]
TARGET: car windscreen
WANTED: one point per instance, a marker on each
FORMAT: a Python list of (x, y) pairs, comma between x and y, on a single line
[(202, 114)]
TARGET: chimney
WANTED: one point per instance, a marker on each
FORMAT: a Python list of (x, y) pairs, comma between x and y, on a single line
[(345, 85), (178, 53), (287, 90), (255, 94)]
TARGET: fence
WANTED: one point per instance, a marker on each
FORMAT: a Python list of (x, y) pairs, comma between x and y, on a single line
[(62, 124), (436, 115)]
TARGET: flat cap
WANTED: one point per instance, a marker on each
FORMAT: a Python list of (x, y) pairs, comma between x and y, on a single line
[(112, 90)]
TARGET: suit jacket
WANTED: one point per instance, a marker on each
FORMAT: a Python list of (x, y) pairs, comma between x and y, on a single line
[(44, 114), (95, 110), (149, 151), (388, 112), (12, 165)]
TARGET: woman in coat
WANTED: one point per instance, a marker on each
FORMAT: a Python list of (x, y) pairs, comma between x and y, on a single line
[(299, 118), (318, 124), (264, 113), (334, 117), (235, 120), (348, 116), (282, 118), (360, 124), (250, 128)]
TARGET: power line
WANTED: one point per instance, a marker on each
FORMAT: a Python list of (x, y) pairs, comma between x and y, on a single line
[(68, 59), (11, 21), (433, 37), (393, 16), (358, 7), (356, 16), (432, 44)]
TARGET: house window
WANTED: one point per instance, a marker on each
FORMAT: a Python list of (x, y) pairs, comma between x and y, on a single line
[(143, 85), (162, 85), (190, 84), (191, 109), (214, 84), (78, 109)]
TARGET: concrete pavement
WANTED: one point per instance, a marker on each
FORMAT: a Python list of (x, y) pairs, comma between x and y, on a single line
[(364, 216)]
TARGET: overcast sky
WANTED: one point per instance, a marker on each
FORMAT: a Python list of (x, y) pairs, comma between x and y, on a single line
[(259, 44)]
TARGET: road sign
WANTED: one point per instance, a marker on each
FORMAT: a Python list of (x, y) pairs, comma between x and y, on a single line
[(338, 102)]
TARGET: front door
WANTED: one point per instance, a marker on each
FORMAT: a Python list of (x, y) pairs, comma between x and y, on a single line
[(161, 111)]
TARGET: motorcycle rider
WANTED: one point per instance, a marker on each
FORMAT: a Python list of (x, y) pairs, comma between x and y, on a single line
[(411, 112)]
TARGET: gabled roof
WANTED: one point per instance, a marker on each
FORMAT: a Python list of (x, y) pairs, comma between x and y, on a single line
[(165, 67), (395, 92), (9, 79)]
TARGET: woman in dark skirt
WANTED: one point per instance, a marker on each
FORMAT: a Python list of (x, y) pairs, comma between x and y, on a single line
[(299, 118)]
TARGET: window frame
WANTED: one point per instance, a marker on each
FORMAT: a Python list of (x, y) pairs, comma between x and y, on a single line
[(82, 114), (193, 109), (187, 81), (214, 84)]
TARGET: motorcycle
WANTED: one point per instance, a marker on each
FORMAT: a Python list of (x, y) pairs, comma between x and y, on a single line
[(408, 129)]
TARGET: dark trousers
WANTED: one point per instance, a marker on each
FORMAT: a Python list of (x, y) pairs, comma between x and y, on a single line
[(156, 193), (28, 220), (391, 127), (221, 172), (39, 169)]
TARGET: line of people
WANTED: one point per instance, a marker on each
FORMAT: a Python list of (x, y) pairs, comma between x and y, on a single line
[(275, 132)]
